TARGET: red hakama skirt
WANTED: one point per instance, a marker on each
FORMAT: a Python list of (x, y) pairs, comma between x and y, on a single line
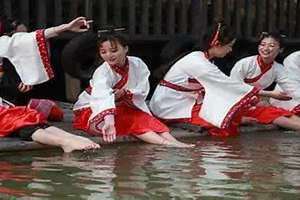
[(196, 120), (14, 118), (128, 121), (266, 114)]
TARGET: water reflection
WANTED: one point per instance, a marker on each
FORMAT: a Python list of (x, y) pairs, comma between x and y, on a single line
[(253, 166)]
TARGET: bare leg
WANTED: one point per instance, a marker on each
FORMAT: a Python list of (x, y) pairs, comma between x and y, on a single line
[(154, 138), (58, 137), (292, 122)]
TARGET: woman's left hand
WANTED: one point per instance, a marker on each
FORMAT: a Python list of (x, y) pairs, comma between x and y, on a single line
[(80, 24)]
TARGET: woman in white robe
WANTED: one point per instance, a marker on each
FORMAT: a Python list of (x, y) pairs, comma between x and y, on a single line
[(195, 91), (114, 103), (292, 65), (261, 71), (29, 54)]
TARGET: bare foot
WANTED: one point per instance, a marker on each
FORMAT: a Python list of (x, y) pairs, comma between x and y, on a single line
[(79, 143)]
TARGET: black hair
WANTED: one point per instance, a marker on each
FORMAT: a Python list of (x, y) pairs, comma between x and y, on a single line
[(226, 35), (112, 35), (10, 25), (276, 35)]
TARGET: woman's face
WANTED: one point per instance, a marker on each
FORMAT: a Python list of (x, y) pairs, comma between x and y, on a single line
[(268, 49), (113, 52), (222, 50)]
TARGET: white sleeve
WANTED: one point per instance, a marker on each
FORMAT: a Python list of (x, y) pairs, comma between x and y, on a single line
[(28, 52), (142, 88), (283, 80), (102, 97), (238, 72), (223, 95)]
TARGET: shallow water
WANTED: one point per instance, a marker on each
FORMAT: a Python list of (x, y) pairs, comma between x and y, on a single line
[(252, 166)]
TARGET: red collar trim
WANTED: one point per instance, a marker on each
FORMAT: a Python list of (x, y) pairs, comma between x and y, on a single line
[(123, 71), (263, 68)]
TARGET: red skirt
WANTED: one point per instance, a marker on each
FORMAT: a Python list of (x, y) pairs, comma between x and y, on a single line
[(266, 114), (128, 121), (15, 118), (232, 130)]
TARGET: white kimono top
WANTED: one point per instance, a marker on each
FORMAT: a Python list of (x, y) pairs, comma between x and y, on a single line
[(250, 70), (100, 97), (194, 79), (28, 52), (292, 66)]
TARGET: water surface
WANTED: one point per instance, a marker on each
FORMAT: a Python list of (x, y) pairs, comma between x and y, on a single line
[(251, 166)]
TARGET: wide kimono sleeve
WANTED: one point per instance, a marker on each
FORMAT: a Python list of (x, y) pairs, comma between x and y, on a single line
[(283, 81), (142, 87), (224, 97), (291, 85), (28, 52), (239, 71), (102, 101)]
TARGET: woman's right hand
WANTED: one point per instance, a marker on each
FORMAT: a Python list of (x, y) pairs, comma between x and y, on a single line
[(24, 88), (283, 96), (108, 129)]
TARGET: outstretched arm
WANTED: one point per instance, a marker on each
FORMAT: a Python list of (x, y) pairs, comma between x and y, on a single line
[(80, 24)]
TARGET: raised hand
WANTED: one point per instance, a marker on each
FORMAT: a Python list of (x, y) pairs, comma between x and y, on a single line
[(80, 24)]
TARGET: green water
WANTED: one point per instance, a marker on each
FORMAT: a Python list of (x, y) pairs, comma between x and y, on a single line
[(252, 166)]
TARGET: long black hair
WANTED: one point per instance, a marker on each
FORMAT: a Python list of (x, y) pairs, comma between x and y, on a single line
[(181, 45)]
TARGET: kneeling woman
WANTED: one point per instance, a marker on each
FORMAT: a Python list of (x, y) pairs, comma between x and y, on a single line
[(195, 91), (114, 103)]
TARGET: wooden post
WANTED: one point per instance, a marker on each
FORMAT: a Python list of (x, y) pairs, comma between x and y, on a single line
[(73, 9), (72, 88), (196, 17), (239, 15), (292, 17), (282, 15), (157, 17), (261, 24), (183, 16), (88, 8), (145, 17), (218, 10), (7, 8), (170, 17), (41, 14), (58, 12), (298, 20), (250, 9), (117, 13), (271, 19), (103, 12), (24, 7), (131, 17)]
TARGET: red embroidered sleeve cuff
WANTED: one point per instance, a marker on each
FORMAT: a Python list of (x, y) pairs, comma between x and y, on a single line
[(43, 51), (100, 116)]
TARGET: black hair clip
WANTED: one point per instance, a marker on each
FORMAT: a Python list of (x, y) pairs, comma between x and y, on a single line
[(109, 30)]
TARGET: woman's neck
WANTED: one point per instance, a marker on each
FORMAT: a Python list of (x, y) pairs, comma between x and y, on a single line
[(266, 60)]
